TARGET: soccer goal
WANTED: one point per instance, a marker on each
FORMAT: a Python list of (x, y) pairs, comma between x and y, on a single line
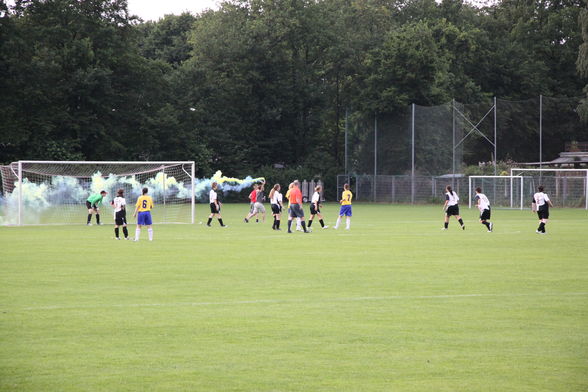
[(55, 192), (565, 187), (502, 191)]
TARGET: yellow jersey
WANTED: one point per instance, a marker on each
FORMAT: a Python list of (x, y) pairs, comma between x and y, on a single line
[(144, 203), (288, 196), (346, 198)]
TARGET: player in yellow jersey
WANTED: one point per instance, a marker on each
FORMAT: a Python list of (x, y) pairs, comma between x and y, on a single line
[(345, 201), (143, 207)]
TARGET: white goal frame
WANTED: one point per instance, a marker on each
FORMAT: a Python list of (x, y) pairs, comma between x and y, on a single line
[(511, 177), (191, 174), (522, 171)]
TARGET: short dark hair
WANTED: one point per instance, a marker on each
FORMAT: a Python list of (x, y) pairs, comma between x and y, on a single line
[(540, 188), (120, 192), (479, 190), (103, 191), (145, 190)]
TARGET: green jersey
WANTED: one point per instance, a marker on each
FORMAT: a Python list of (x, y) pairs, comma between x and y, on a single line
[(95, 199)]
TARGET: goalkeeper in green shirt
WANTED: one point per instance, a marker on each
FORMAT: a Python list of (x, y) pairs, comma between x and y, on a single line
[(92, 203)]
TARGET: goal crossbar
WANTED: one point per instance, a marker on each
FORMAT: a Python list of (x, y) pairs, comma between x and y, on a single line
[(511, 178)]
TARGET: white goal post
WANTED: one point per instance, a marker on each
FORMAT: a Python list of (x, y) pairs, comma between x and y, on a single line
[(503, 191), (55, 192), (566, 187)]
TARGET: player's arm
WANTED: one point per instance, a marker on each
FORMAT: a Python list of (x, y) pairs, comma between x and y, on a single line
[(446, 201), (533, 205)]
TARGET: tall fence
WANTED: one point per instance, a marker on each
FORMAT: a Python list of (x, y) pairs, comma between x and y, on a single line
[(412, 154)]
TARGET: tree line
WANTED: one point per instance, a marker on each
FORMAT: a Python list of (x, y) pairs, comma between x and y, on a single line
[(263, 86)]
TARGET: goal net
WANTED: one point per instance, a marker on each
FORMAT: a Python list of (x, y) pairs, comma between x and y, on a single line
[(55, 192), (502, 191), (565, 187)]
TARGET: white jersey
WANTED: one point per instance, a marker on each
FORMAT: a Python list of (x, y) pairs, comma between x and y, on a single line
[(451, 198), (276, 198), (212, 196), (118, 204), (540, 199), (316, 198), (483, 202)]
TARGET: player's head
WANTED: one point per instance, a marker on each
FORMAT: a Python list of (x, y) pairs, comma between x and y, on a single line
[(291, 185), (346, 187), (255, 186), (214, 185), (317, 188), (277, 187), (145, 190), (296, 183), (449, 189), (103, 193), (540, 188), (120, 192), (478, 190)]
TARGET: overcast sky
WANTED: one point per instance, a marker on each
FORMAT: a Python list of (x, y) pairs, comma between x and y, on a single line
[(155, 9)]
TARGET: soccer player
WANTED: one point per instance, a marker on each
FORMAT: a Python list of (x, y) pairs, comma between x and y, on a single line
[(483, 205), (541, 204), (345, 210), (258, 207), (276, 202), (120, 214), (296, 210), (215, 206), (451, 208), (298, 226), (92, 204), (143, 208), (252, 200), (315, 208)]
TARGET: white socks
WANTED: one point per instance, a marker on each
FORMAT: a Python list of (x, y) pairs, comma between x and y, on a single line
[(150, 231), (298, 225), (348, 222), (137, 234), (338, 221)]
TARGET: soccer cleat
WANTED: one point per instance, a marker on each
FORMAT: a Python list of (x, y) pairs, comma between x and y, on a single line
[(444, 228), (463, 227), (209, 225), (117, 238), (127, 238), (491, 226), (326, 227), (289, 231), (245, 220), (88, 224), (225, 226), (100, 224)]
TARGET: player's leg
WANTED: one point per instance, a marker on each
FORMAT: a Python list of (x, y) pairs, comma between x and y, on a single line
[(348, 214), (137, 232), (321, 221), (97, 215), (116, 232), (220, 219)]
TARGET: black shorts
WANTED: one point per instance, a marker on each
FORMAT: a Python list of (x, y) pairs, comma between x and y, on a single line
[(453, 210), (276, 209), (120, 218), (91, 206), (296, 211), (313, 210), (543, 213), (485, 215), (214, 209)]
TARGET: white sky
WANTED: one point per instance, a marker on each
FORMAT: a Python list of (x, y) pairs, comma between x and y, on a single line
[(155, 9)]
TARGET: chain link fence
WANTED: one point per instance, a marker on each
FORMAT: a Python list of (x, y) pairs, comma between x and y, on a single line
[(411, 155)]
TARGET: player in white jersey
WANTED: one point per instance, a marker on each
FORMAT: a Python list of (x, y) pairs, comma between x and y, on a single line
[(276, 203), (315, 207), (120, 214), (483, 205), (541, 204), (451, 208), (215, 206)]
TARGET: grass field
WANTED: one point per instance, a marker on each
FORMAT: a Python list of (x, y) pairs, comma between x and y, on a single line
[(395, 304)]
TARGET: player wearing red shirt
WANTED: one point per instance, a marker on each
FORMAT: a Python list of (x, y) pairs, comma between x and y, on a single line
[(296, 210)]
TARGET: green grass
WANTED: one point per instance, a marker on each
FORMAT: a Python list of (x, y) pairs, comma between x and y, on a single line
[(395, 304)]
